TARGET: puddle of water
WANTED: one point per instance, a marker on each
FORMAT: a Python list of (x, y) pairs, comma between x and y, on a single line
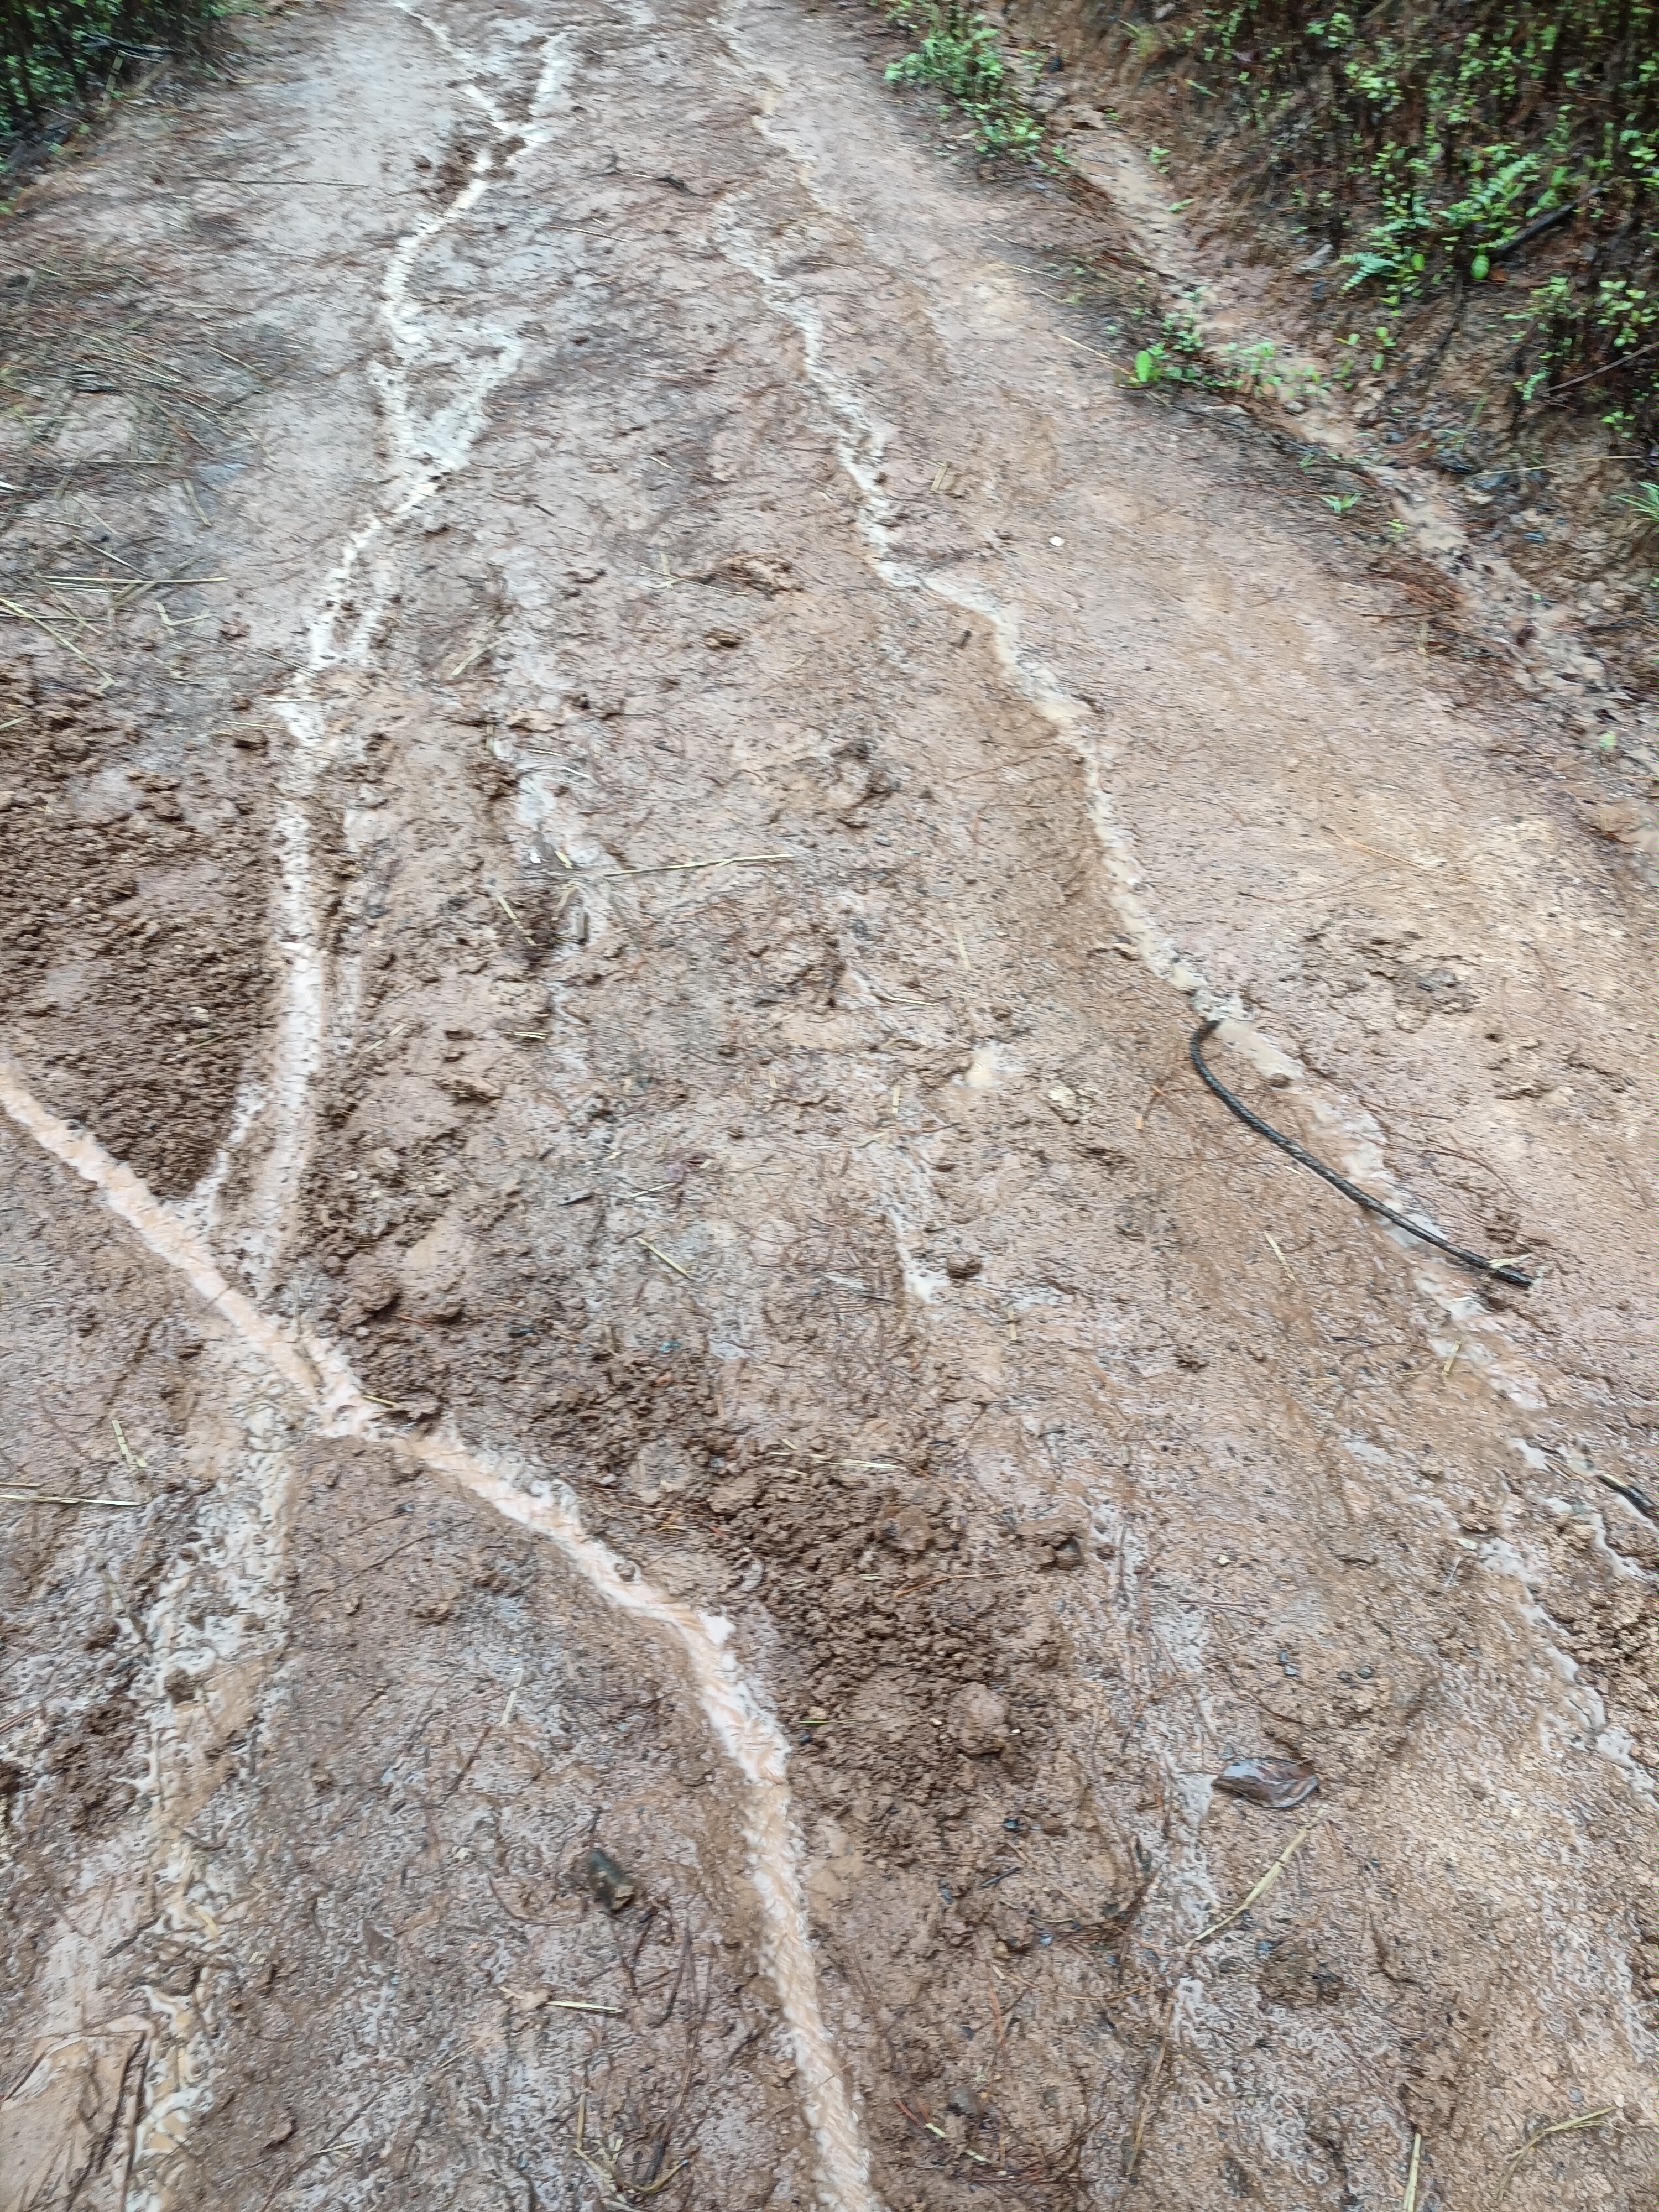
[(984, 1070)]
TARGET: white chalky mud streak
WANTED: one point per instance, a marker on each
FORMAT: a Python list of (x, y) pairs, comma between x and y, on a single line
[(1352, 1137), (318, 1375), (240, 1550), (427, 445)]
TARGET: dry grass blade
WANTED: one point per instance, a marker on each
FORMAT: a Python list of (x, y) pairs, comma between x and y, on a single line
[(1149, 2095), (602, 2159), (664, 1257), (31, 1496), (1279, 1255), (1259, 1891), (514, 919), (690, 867), (23, 615), (1410, 2203), (1555, 2128)]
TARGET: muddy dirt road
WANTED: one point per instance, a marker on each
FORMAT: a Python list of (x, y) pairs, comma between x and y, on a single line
[(624, 774)]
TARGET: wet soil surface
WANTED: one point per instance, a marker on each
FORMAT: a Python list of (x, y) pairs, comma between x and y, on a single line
[(625, 774)]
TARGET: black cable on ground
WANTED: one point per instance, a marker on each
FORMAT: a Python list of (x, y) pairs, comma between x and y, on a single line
[(1492, 1267)]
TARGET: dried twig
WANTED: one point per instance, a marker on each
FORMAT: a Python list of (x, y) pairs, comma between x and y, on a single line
[(664, 1257), (29, 1496), (1555, 2128)]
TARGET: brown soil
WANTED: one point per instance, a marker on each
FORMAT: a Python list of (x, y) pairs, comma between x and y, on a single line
[(653, 900)]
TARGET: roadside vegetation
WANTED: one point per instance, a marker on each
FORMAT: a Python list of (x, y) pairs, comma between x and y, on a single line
[(60, 58), (963, 54), (1438, 151)]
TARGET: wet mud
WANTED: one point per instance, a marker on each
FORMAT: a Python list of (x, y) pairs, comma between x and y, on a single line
[(760, 1558)]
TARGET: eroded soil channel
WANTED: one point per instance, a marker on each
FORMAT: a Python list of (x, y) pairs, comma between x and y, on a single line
[(624, 774)]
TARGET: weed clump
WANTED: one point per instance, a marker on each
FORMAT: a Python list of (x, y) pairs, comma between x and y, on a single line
[(962, 53), (58, 55), (1441, 149)]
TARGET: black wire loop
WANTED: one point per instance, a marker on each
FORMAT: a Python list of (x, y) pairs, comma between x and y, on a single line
[(1494, 1268)]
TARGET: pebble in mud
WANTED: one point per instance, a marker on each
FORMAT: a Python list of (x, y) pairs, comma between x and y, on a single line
[(979, 1721), (1278, 1784), (612, 1885)]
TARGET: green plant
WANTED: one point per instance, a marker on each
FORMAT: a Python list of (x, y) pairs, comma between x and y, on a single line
[(1442, 147), (963, 54), (1252, 368), (58, 55), (1644, 504), (1340, 502)]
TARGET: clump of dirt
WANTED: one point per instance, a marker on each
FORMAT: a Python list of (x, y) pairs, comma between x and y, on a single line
[(132, 897), (134, 780), (1600, 1597)]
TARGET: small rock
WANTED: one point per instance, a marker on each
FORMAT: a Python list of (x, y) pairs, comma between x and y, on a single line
[(1279, 1783), (1062, 1543), (280, 2132), (473, 1089), (722, 639), (180, 1685), (1064, 1102), (979, 1721), (732, 1496), (963, 1267), (611, 1884), (908, 1531)]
